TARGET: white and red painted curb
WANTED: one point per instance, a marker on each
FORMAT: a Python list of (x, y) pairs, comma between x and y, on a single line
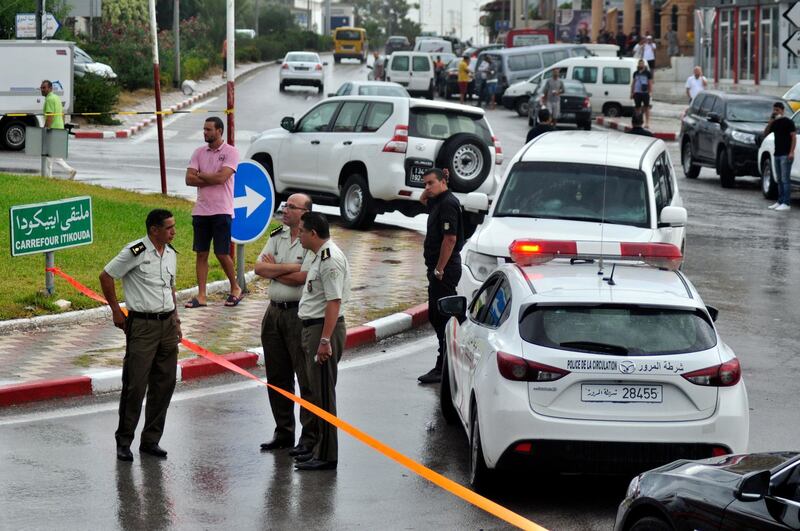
[(193, 368), (614, 124)]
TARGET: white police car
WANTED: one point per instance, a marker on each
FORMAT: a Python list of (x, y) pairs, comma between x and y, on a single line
[(564, 360), (578, 185)]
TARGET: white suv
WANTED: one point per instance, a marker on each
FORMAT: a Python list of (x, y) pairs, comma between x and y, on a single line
[(367, 154), (620, 187)]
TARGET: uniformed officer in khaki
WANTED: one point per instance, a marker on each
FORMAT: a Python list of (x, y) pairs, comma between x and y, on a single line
[(282, 261), (152, 329), (326, 291)]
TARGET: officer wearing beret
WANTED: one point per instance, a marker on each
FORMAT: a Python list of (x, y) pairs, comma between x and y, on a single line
[(284, 261), (326, 290), (441, 249), (152, 329)]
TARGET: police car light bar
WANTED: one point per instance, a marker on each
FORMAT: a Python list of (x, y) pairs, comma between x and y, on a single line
[(533, 252)]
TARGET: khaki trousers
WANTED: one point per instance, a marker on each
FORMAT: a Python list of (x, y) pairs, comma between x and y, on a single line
[(281, 332), (151, 358), (322, 377)]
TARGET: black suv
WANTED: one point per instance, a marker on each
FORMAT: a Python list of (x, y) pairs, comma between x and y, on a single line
[(396, 43), (723, 131)]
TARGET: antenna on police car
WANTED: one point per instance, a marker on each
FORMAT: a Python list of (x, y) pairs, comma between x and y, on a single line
[(603, 213)]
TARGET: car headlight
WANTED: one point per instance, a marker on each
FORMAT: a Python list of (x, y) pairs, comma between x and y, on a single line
[(481, 265), (744, 138), (633, 488)]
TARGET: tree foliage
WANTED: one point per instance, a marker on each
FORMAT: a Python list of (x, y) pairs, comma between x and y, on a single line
[(10, 8), (383, 18), (126, 12)]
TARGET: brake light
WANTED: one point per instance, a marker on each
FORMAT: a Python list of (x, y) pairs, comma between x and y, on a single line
[(318, 67), (523, 447), (498, 150), (586, 103), (285, 66), (719, 451), (726, 374), (532, 252), (521, 370), (399, 142)]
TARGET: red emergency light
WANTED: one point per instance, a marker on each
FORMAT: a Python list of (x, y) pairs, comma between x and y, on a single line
[(533, 252)]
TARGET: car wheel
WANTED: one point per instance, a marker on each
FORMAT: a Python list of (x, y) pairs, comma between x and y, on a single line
[(429, 94), (768, 185), (13, 135), (283, 87), (522, 106), (337, 60), (480, 477), (447, 92), (726, 175), (321, 88), (446, 395), (356, 205), (690, 169), (612, 110), (586, 126), (467, 158), (650, 523)]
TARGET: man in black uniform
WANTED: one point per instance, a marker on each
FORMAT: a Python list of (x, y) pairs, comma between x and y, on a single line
[(442, 247)]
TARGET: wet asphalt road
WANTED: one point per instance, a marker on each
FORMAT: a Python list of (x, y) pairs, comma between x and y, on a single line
[(57, 465)]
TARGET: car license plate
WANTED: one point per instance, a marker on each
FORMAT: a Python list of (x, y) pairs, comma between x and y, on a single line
[(301, 68), (633, 393), (416, 172), (566, 116)]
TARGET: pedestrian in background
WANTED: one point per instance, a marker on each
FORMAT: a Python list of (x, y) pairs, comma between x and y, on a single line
[(326, 291), (646, 50), (636, 126), (480, 80), (785, 141), (441, 251), (224, 59), (284, 261), (673, 46), (544, 124), (695, 84), (152, 329), (211, 171), (54, 119), (491, 83), (551, 95), (377, 67), (622, 42), (641, 89), (464, 76)]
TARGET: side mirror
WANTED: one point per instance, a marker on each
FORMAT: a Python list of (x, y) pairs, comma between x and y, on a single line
[(714, 118), (325, 63), (713, 311), (673, 216), (453, 306), (475, 202), (288, 123), (369, 66), (331, 94), (754, 486)]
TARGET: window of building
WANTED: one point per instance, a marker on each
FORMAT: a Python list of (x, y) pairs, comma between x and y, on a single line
[(725, 44), (747, 43), (770, 43)]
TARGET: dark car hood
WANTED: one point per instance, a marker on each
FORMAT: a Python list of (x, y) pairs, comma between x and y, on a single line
[(756, 128), (727, 469)]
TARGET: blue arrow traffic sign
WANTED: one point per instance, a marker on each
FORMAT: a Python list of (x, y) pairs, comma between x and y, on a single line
[(253, 201)]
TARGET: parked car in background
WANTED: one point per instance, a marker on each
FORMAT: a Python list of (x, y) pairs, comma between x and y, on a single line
[(792, 97), (397, 43), (350, 43), (414, 71), (371, 88), (724, 131), (433, 46), (766, 154), (576, 106), (367, 154), (84, 63), (739, 491), (448, 86), (302, 68)]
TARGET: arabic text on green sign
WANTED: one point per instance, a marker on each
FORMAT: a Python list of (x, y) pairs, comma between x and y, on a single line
[(51, 226)]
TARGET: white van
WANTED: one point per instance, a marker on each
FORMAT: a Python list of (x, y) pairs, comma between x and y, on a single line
[(414, 71), (607, 79), (433, 46)]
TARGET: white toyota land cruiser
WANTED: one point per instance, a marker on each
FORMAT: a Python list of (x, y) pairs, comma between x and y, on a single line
[(367, 154)]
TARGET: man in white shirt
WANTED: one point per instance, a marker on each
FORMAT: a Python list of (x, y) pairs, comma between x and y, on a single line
[(696, 83), (646, 50)]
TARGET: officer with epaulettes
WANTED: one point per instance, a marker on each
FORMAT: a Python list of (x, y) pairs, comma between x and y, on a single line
[(327, 289), (282, 261), (152, 329)]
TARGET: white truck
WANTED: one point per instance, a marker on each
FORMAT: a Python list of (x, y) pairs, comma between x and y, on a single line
[(24, 64)]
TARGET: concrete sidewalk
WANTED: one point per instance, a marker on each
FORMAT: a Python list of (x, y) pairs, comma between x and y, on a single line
[(388, 276)]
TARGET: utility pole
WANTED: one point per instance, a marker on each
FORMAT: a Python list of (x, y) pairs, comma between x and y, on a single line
[(157, 82), (258, 12), (39, 19), (441, 19), (176, 30)]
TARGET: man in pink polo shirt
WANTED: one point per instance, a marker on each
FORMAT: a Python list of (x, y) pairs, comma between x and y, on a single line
[(211, 170)]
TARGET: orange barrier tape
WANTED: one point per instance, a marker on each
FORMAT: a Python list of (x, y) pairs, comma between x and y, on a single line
[(434, 477)]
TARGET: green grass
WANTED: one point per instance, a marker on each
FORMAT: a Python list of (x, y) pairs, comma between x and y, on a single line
[(118, 218)]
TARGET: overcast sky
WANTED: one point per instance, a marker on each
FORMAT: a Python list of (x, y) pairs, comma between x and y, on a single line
[(458, 14)]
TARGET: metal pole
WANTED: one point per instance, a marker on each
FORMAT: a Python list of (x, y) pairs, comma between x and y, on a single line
[(157, 81), (441, 17), (49, 278), (258, 12), (240, 267), (230, 34), (39, 19), (176, 30)]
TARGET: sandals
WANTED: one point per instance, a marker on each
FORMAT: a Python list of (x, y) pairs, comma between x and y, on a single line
[(233, 300), (194, 303)]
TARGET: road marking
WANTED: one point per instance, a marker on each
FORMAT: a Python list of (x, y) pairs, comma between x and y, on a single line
[(407, 349), (171, 119)]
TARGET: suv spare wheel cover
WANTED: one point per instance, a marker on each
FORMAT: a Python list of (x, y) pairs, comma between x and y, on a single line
[(468, 159)]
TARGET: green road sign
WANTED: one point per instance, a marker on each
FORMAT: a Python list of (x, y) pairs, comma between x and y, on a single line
[(51, 226)]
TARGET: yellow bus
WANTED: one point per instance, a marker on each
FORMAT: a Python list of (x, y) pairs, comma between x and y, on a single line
[(349, 43)]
